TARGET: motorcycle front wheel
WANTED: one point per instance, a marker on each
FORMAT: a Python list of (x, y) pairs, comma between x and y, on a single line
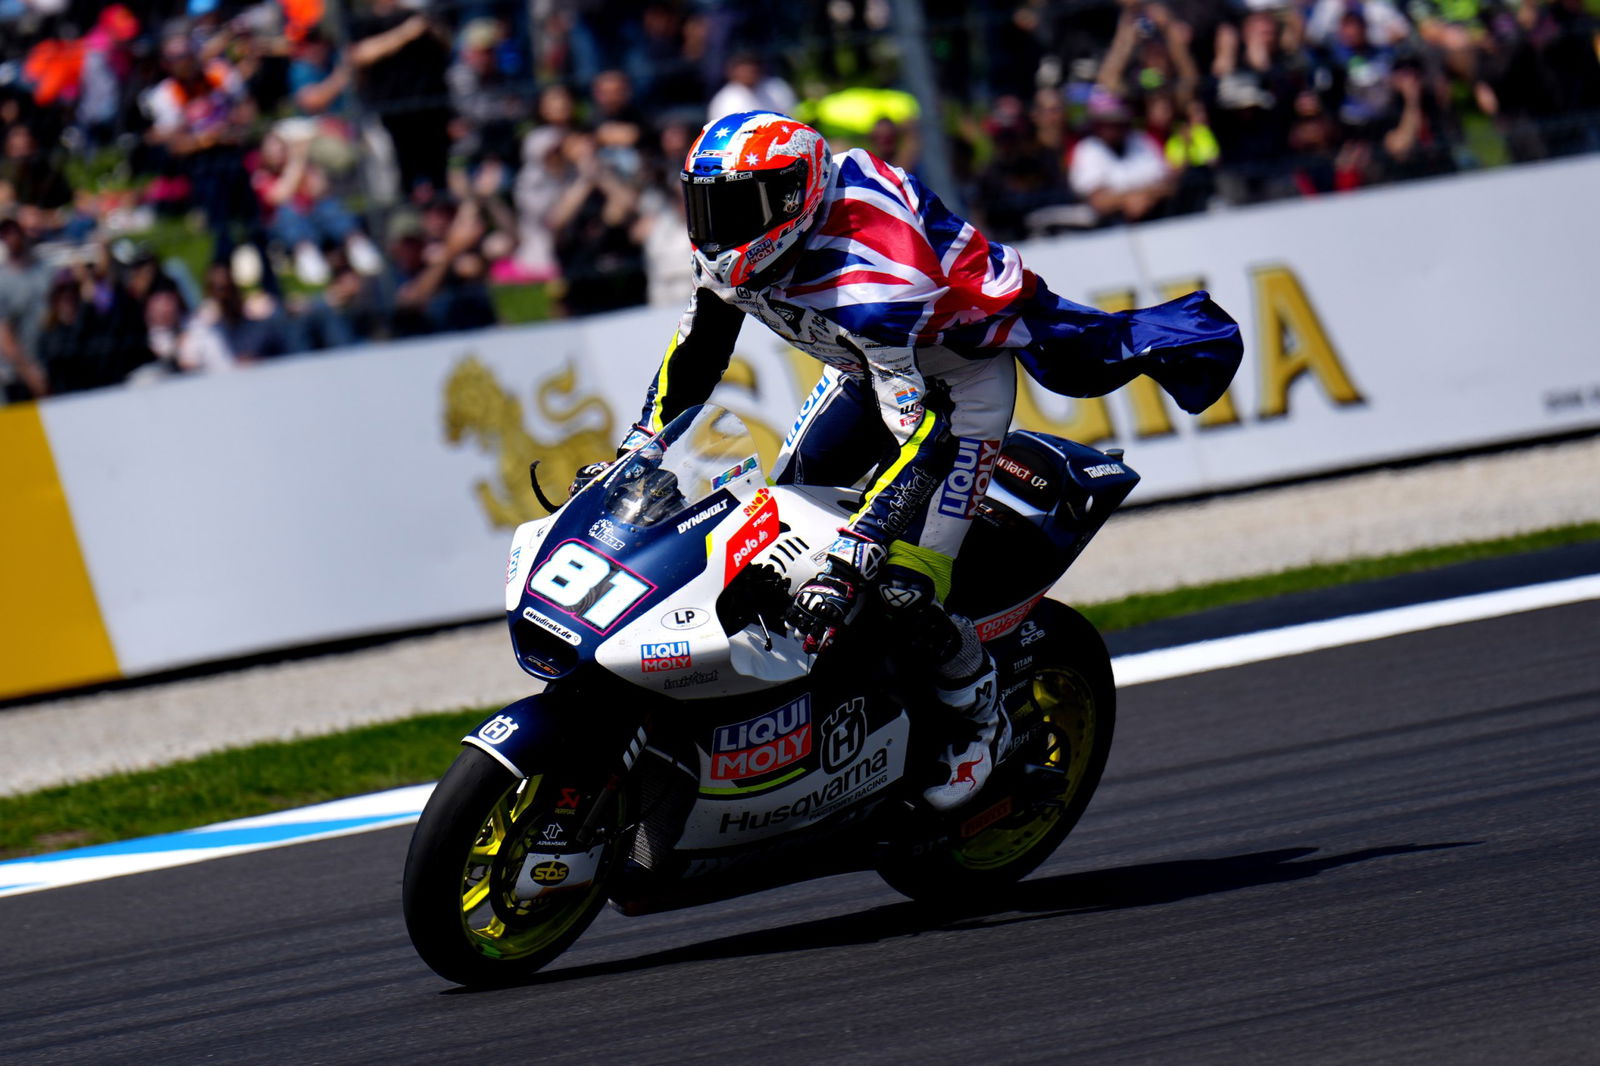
[(1036, 797), (463, 910)]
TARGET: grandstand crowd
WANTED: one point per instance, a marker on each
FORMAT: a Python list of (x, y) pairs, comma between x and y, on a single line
[(189, 186)]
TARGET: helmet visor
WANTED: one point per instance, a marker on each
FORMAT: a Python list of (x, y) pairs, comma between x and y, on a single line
[(734, 208)]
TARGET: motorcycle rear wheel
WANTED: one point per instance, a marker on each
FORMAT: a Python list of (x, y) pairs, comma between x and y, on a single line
[(1020, 818), (461, 908)]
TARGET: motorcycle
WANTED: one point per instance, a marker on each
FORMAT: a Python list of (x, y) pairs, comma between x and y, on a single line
[(686, 749)]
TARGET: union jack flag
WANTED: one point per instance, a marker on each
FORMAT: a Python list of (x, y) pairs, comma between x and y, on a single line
[(891, 262)]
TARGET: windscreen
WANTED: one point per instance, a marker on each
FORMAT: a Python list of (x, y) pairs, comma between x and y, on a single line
[(696, 454)]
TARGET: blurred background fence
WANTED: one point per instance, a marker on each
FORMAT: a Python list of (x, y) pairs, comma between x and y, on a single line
[(187, 187)]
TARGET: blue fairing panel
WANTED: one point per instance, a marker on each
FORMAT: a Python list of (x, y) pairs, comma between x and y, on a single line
[(514, 734)]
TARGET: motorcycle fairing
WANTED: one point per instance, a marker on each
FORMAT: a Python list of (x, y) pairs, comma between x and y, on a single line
[(1045, 502), (726, 821), (575, 556), (778, 526), (796, 755), (767, 846)]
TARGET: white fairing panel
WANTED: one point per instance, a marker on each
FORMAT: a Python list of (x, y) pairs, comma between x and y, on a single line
[(679, 648), (854, 764), (524, 546)]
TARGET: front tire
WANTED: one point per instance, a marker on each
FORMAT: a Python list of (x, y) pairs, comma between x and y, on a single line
[(1020, 818), (462, 909)]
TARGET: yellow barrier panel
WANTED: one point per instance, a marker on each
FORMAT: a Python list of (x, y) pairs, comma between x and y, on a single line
[(51, 632)]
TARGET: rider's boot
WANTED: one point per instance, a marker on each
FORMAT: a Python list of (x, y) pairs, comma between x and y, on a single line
[(964, 677), (969, 685)]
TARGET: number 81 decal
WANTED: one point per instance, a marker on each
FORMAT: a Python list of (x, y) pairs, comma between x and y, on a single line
[(593, 588)]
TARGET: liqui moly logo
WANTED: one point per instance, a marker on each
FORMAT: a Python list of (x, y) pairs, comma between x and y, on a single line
[(969, 478), (670, 655), (763, 744)]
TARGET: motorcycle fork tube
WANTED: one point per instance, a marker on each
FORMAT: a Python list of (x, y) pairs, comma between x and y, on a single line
[(610, 793)]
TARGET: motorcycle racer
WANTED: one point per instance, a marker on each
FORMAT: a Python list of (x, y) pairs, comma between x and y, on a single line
[(920, 321)]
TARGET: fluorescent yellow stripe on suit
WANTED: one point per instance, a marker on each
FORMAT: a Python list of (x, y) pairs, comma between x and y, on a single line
[(908, 452), (936, 565), (51, 632), (661, 385), (922, 560)]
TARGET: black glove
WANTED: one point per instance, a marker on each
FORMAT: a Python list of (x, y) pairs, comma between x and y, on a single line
[(820, 607), (586, 474)]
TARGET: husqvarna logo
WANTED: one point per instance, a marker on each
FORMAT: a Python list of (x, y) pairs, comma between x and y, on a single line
[(844, 732), (497, 729)]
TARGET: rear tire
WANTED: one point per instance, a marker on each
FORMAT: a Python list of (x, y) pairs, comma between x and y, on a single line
[(459, 897), (1016, 822)]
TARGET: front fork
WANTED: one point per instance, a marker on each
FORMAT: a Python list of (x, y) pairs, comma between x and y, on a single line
[(602, 809), (583, 760)]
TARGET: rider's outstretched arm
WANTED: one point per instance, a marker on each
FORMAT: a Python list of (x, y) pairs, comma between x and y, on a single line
[(693, 364)]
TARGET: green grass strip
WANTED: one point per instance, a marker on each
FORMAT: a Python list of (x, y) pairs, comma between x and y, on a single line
[(294, 773), (1153, 607), (273, 776)]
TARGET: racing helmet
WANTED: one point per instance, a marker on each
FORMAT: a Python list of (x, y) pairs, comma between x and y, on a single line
[(753, 184)]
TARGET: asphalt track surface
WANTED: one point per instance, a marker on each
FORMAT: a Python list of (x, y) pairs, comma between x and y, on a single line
[(1386, 852)]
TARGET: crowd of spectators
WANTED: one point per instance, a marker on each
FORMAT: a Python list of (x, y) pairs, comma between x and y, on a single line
[(1163, 107), (382, 169)]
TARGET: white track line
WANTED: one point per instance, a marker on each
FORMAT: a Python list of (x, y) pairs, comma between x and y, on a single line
[(1165, 663), (356, 814), (383, 810)]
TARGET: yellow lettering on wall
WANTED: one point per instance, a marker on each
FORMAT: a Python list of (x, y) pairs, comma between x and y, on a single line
[(1292, 341), (1112, 300), (1089, 423), (1223, 412), (1150, 416), (1173, 288)]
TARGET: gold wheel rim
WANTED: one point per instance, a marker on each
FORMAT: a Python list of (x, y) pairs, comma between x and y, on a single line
[(1064, 706), (534, 924)]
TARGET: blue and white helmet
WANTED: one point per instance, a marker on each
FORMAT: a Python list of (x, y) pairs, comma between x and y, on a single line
[(753, 184)]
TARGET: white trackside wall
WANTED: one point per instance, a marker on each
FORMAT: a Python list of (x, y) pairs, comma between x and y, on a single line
[(376, 489)]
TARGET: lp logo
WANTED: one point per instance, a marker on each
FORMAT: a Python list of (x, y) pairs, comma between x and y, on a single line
[(844, 732), (685, 618)]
